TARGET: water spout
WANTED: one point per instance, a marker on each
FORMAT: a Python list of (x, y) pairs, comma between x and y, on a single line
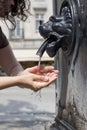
[(43, 47)]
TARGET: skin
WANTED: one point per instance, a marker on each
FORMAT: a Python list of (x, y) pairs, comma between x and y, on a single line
[(34, 78)]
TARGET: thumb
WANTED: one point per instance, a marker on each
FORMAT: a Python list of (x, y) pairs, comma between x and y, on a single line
[(41, 78)]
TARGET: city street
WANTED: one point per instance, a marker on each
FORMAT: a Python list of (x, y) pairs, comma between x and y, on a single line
[(23, 109)]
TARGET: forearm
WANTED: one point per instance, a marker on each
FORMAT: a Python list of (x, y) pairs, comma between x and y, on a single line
[(6, 82)]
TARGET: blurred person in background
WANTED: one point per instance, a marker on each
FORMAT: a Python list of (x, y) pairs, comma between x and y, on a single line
[(33, 78)]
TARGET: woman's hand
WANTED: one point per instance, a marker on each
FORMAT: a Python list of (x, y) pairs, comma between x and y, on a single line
[(39, 70), (38, 77)]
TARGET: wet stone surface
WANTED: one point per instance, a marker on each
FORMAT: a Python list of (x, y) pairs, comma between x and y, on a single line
[(23, 109)]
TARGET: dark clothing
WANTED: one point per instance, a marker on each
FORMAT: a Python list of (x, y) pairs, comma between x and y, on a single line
[(3, 39)]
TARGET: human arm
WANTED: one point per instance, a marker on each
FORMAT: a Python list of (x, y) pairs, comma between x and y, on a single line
[(30, 81), (28, 78)]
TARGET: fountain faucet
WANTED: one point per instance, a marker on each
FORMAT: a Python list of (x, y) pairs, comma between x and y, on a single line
[(54, 31)]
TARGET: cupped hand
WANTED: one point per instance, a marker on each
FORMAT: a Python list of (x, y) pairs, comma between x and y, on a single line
[(36, 82), (37, 78)]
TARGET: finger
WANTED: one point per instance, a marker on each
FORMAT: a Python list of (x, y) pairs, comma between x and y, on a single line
[(40, 78), (34, 69), (49, 68), (51, 74), (40, 85), (56, 71), (52, 79)]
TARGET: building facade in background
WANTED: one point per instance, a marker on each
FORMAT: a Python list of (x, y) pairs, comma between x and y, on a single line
[(26, 34)]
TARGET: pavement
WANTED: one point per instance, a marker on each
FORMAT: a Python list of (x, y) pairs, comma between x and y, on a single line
[(23, 109)]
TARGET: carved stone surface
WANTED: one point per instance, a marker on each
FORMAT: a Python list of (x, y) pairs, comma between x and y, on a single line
[(75, 80)]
